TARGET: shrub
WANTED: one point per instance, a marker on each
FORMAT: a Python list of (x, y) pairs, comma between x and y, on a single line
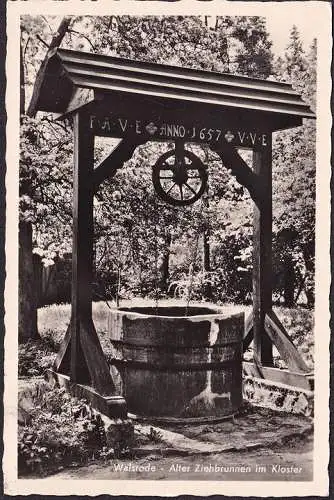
[(34, 358), (61, 430)]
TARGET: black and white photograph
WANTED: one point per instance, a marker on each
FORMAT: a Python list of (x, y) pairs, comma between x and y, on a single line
[(169, 240)]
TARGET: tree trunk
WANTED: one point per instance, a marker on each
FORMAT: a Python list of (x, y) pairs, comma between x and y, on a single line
[(27, 286), (27, 290), (206, 265), (289, 281), (308, 253), (165, 263)]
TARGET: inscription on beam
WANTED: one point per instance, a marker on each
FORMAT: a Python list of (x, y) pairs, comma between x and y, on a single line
[(156, 130)]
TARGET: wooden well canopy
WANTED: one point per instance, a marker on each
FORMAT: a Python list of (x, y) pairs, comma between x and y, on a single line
[(71, 79), (139, 102)]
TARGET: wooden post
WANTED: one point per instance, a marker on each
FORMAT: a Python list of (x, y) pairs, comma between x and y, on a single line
[(262, 256), (81, 355), (82, 253)]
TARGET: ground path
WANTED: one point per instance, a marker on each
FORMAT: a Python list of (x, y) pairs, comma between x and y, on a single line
[(257, 444), (284, 463)]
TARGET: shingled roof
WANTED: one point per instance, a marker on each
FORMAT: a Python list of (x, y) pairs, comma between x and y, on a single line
[(66, 70)]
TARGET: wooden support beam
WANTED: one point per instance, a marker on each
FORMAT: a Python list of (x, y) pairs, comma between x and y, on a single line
[(81, 355), (287, 377), (63, 359), (98, 368), (85, 346), (112, 406), (248, 333), (80, 365), (280, 338), (62, 362), (284, 344), (242, 172), (82, 254), (262, 256), (109, 166)]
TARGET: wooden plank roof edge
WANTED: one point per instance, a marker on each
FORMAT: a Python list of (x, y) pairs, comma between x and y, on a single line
[(293, 99), (287, 103), (63, 53), (217, 100), (86, 59), (33, 104)]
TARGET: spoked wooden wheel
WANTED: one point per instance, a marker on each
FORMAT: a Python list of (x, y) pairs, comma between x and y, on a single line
[(179, 177)]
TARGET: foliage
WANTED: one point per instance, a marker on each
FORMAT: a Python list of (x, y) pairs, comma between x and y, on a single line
[(35, 356), (120, 435), (294, 161), (45, 163), (299, 323), (225, 45), (61, 430)]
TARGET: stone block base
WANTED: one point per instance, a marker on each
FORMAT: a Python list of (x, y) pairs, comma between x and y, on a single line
[(277, 396)]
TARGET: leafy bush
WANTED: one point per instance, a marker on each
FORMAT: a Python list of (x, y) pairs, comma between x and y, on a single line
[(61, 430), (34, 358), (299, 323)]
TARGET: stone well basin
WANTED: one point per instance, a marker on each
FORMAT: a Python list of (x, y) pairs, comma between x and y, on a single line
[(176, 363)]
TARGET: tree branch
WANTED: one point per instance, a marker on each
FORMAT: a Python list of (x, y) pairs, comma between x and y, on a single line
[(83, 36), (47, 22), (41, 40)]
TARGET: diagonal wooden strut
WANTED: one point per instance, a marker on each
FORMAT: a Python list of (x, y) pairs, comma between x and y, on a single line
[(63, 358), (280, 338), (92, 367), (242, 172), (284, 344), (248, 333), (115, 160)]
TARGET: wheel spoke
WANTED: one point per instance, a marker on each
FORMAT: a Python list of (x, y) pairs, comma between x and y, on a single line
[(165, 177), (167, 168), (170, 188), (191, 189), (181, 191)]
